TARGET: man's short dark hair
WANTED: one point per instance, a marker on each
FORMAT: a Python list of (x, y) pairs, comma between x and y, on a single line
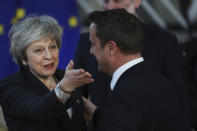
[(120, 26)]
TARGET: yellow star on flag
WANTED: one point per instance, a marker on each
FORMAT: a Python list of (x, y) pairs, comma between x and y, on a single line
[(73, 21), (20, 13), (1, 29)]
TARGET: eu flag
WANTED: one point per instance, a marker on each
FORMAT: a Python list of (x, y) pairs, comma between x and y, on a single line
[(7, 11)]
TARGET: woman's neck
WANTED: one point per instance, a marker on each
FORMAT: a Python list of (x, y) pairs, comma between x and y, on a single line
[(49, 82)]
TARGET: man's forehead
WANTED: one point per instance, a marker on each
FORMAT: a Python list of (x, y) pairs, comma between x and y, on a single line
[(92, 29)]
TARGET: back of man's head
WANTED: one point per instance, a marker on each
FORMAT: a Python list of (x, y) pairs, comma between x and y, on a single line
[(119, 26)]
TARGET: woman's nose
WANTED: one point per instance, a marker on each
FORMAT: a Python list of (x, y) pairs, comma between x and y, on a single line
[(47, 54)]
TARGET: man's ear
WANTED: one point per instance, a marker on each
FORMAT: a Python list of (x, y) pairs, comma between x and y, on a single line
[(137, 3), (111, 48)]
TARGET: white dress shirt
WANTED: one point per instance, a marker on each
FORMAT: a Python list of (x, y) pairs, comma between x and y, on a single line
[(116, 75)]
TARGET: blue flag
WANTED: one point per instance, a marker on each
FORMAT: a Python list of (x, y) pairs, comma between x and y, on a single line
[(65, 12), (7, 11)]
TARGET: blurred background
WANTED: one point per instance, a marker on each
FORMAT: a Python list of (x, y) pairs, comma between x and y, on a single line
[(176, 16)]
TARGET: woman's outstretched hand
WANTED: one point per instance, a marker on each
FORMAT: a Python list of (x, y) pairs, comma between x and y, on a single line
[(74, 78)]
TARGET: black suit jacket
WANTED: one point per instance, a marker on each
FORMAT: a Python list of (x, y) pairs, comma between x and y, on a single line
[(142, 100), (28, 105), (161, 52)]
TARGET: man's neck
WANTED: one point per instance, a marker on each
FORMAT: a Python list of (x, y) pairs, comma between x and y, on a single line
[(122, 60)]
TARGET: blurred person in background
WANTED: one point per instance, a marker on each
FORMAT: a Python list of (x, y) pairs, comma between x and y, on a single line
[(184, 5), (161, 52), (41, 97), (190, 48)]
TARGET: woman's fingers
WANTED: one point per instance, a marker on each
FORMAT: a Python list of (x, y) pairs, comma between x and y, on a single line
[(74, 78), (85, 75), (70, 65), (82, 79)]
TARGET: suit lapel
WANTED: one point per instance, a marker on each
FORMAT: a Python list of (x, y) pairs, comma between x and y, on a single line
[(33, 82)]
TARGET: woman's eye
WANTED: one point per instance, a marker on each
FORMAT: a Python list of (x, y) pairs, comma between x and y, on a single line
[(53, 46), (37, 50)]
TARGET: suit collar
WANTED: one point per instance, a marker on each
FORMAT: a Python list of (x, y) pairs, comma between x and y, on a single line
[(122, 69)]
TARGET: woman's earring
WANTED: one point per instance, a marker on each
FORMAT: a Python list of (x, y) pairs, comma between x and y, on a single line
[(24, 63)]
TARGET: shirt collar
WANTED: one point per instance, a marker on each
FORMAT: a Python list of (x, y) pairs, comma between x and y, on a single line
[(116, 75)]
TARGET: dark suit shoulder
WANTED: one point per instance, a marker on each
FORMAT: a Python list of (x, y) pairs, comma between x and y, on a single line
[(142, 78), (156, 36), (154, 30), (14, 78), (10, 84)]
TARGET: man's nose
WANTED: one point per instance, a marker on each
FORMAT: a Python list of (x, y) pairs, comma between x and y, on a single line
[(91, 50)]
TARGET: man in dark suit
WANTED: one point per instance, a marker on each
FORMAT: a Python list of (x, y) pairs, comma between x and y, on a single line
[(141, 99), (160, 50)]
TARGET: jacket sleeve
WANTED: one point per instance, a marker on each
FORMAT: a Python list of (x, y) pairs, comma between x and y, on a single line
[(19, 102)]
